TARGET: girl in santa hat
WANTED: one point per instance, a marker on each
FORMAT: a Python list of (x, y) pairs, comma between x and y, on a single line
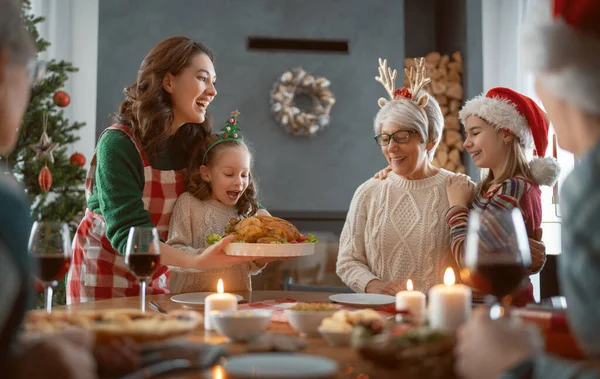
[(504, 130), (561, 43)]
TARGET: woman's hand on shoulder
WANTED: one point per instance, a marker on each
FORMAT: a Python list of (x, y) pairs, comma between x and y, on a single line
[(459, 189), (215, 257), (383, 173)]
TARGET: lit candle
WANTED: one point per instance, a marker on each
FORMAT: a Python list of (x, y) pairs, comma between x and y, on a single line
[(218, 302), (449, 304), (412, 301)]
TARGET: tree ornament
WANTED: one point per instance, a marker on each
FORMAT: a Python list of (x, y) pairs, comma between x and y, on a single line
[(45, 179), (78, 159), (45, 146), (61, 98)]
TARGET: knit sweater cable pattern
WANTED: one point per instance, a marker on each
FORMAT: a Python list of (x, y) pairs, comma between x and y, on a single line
[(395, 231)]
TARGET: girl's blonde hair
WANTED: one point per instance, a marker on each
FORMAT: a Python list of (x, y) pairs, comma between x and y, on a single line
[(515, 165), (247, 205)]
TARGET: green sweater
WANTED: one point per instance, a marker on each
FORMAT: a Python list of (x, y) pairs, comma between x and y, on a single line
[(119, 186)]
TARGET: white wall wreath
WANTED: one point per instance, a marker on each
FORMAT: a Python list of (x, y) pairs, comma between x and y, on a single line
[(288, 115)]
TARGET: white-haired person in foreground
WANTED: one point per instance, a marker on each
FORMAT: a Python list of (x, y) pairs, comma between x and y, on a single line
[(561, 44)]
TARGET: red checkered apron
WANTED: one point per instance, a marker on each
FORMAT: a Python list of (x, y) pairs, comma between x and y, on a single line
[(98, 271)]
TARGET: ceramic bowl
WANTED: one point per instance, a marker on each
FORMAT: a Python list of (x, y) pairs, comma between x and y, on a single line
[(307, 322), (241, 325), (336, 338)]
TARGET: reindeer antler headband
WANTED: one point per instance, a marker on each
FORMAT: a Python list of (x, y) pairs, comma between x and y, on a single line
[(416, 79)]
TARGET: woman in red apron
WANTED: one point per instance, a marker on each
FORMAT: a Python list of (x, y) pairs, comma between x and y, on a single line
[(136, 173)]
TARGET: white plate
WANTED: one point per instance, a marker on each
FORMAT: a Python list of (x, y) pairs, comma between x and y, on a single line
[(270, 249), (280, 365), (196, 298), (363, 299)]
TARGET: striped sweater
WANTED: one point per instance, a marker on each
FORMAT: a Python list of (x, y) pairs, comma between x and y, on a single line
[(515, 192)]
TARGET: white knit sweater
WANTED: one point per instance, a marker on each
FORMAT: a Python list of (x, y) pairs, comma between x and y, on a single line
[(191, 221), (395, 230)]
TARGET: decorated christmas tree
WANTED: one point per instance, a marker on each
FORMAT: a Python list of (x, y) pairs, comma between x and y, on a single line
[(231, 130), (52, 178), (40, 162)]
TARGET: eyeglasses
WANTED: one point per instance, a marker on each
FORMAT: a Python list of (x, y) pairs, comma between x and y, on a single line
[(401, 136), (37, 71)]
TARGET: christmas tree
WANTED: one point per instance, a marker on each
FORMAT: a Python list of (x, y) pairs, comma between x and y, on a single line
[(53, 180), (231, 130)]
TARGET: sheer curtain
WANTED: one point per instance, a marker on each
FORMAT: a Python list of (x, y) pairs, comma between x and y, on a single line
[(71, 27), (502, 66)]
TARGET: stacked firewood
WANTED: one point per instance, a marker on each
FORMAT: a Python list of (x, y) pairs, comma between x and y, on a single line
[(446, 86)]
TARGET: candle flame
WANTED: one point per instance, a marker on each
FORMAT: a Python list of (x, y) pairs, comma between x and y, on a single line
[(218, 372), (449, 278), (409, 285), (220, 287)]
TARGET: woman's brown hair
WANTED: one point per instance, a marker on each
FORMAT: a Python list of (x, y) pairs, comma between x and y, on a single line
[(147, 107), (247, 205)]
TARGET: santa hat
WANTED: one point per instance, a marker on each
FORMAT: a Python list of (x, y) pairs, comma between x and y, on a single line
[(561, 44), (508, 109)]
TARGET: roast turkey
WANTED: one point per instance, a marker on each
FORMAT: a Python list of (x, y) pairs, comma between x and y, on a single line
[(262, 229)]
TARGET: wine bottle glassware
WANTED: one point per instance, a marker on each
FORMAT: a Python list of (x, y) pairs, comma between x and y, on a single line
[(142, 256), (50, 245), (497, 254)]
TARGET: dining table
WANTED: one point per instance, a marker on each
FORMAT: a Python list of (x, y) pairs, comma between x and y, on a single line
[(351, 364)]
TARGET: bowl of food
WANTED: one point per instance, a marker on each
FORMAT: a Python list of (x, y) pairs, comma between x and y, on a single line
[(306, 318), (415, 351), (336, 338), (339, 328), (241, 325), (265, 236)]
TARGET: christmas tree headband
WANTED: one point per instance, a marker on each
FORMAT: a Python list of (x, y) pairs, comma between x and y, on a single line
[(230, 132), (416, 80)]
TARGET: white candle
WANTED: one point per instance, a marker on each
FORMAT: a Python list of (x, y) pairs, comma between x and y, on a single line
[(449, 304), (218, 302), (412, 301)]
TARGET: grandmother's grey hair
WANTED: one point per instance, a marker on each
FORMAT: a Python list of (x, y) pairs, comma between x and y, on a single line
[(404, 112)]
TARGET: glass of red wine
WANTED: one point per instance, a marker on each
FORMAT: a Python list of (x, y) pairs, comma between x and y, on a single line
[(142, 256), (50, 246), (497, 254)]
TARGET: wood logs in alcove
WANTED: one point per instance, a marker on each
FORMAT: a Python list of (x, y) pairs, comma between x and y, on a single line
[(446, 86)]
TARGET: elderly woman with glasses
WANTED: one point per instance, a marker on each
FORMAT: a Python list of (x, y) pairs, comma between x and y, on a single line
[(395, 228)]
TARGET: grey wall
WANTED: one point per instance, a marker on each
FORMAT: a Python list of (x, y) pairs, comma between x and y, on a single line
[(295, 173)]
